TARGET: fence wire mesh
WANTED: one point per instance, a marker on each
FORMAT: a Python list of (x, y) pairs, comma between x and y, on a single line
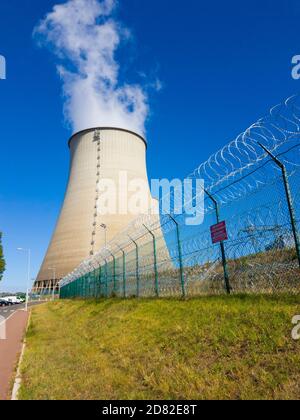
[(253, 185)]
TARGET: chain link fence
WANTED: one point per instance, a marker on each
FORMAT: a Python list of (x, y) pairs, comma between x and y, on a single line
[(253, 185)]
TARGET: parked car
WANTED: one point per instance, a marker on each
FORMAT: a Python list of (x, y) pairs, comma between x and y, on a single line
[(3, 302), (14, 300), (11, 300), (8, 300)]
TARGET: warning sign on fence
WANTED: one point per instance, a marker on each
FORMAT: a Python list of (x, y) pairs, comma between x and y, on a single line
[(219, 233)]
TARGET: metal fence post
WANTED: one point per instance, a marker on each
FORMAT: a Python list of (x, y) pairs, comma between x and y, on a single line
[(80, 284), (114, 272), (89, 284), (222, 246), (83, 285), (182, 280), (124, 272), (95, 283), (137, 267), (99, 279), (91, 278), (155, 261), (288, 194), (106, 279), (93, 275)]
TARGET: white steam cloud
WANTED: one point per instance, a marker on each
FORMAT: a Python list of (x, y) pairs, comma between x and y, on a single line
[(85, 37)]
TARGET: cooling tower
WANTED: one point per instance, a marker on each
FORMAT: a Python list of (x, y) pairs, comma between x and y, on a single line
[(96, 154)]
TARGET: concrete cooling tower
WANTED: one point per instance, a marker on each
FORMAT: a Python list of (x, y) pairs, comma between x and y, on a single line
[(96, 154)]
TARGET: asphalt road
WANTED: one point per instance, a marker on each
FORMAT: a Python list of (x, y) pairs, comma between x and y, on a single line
[(7, 311)]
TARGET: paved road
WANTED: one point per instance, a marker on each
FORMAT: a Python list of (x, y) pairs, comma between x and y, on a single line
[(7, 311)]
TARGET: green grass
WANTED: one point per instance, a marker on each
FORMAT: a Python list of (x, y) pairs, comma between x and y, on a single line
[(207, 348)]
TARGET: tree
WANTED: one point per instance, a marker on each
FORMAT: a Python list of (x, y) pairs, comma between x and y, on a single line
[(2, 260)]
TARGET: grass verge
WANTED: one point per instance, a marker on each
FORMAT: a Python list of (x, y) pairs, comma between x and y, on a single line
[(221, 347)]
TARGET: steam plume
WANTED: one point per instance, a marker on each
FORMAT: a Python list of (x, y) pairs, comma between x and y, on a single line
[(84, 36)]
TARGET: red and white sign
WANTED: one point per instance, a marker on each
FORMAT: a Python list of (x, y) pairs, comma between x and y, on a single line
[(219, 233)]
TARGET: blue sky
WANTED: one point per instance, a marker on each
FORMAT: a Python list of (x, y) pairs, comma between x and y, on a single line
[(222, 65)]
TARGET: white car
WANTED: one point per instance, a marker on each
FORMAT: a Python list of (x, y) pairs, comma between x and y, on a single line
[(12, 300)]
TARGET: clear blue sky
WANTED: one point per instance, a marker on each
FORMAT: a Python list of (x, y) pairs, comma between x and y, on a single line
[(222, 64)]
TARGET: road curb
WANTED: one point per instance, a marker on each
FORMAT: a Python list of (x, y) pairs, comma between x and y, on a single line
[(18, 378)]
